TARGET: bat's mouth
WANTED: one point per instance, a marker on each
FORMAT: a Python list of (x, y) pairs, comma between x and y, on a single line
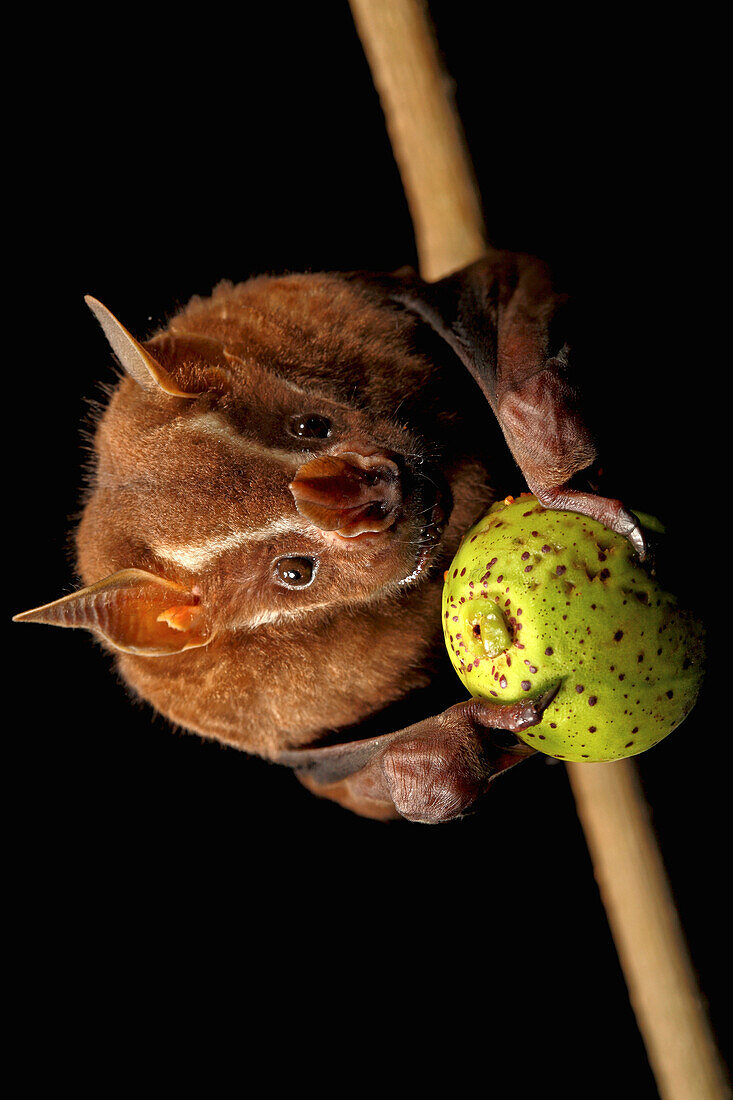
[(432, 499)]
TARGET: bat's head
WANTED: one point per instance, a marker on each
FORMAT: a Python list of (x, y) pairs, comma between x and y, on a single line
[(280, 478)]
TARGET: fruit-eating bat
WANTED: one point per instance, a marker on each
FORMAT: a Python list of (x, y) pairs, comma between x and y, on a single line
[(281, 477)]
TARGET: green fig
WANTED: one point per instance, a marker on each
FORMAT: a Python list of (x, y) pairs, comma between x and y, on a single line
[(536, 597)]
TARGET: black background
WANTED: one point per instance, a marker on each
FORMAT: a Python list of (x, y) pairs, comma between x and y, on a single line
[(153, 159)]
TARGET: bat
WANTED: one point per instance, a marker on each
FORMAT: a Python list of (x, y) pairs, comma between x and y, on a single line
[(281, 477)]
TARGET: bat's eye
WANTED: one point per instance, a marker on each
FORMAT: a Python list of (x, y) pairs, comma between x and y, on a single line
[(295, 572), (310, 426)]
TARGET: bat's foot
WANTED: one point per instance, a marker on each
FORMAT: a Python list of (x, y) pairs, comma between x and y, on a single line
[(438, 773), (433, 771), (611, 513)]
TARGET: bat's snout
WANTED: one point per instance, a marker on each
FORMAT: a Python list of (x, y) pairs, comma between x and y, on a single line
[(349, 493)]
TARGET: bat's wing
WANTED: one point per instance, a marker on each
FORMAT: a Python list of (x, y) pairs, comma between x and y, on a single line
[(512, 330)]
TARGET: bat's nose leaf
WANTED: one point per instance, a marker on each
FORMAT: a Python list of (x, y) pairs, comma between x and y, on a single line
[(348, 493)]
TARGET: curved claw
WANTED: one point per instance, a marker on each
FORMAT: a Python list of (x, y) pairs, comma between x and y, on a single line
[(611, 513), (514, 717), (636, 536)]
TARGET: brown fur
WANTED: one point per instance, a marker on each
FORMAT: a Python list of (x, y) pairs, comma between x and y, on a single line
[(365, 641)]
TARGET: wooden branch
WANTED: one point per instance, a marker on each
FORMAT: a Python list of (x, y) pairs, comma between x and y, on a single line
[(646, 929), (437, 175), (426, 133)]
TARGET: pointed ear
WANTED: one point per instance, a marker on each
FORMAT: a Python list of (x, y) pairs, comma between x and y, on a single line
[(135, 611), (136, 360)]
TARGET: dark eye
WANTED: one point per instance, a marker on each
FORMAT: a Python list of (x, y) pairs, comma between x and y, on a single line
[(295, 572), (310, 426)]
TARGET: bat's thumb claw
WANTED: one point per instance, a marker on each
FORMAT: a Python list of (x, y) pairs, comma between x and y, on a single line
[(629, 526), (543, 701), (610, 512)]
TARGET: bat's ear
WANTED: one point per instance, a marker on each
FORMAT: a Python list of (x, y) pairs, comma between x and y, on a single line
[(134, 611), (170, 363)]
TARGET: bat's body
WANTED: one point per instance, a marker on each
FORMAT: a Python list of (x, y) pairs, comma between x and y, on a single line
[(281, 477)]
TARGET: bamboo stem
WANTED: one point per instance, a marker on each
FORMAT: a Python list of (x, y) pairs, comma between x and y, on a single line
[(647, 932), (426, 133), (442, 195)]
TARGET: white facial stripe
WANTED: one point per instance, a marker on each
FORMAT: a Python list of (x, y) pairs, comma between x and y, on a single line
[(216, 427), (288, 614), (196, 555), (264, 617)]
